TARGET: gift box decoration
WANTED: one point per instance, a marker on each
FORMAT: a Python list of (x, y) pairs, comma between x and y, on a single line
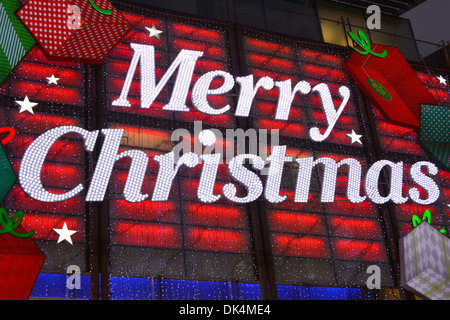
[(76, 30), (425, 262), (389, 82), (434, 134), (7, 173), (15, 40), (20, 259)]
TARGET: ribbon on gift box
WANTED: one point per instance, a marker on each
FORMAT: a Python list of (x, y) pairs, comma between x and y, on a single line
[(426, 217)]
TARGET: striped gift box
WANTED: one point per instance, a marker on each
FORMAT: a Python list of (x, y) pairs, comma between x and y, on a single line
[(15, 40), (425, 262)]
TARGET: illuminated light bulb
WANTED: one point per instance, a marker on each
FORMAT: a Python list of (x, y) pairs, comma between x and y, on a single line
[(251, 180), (287, 95), (105, 164), (184, 62), (331, 114), (277, 160), (425, 182), (167, 172), (33, 161), (372, 182), (201, 91), (305, 166), (248, 93), (211, 162)]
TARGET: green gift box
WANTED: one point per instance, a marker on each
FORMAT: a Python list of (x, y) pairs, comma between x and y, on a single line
[(425, 263), (8, 177), (15, 40), (434, 134)]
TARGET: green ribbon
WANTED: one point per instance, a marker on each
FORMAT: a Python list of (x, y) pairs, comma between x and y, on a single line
[(102, 11), (426, 217), (364, 43), (10, 224)]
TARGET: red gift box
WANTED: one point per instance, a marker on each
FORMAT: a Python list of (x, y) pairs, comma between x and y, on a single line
[(74, 30), (391, 85), (20, 263)]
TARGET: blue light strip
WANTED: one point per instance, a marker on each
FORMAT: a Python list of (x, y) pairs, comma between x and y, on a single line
[(53, 286)]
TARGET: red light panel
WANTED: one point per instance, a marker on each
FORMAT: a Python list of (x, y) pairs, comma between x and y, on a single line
[(146, 234), (359, 250), (290, 245), (214, 215), (211, 239), (285, 221)]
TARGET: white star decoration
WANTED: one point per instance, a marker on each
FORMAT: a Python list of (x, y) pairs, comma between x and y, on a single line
[(154, 32), (442, 80), (355, 137), (64, 234), (26, 105), (52, 79)]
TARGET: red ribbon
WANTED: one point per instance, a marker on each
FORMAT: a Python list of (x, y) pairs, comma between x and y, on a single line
[(11, 134)]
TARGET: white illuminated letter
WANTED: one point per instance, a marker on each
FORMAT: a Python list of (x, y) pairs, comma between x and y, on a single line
[(167, 172), (287, 95), (372, 182), (249, 179), (331, 114), (201, 91), (184, 62), (34, 157), (273, 183), (248, 92), (305, 166), (105, 164), (425, 182)]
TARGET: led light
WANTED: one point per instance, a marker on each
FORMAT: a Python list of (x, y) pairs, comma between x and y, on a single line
[(273, 183), (287, 95), (205, 191), (201, 91), (305, 166), (372, 182), (250, 179), (105, 164), (185, 62), (34, 157), (167, 172), (425, 182), (248, 93), (330, 111)]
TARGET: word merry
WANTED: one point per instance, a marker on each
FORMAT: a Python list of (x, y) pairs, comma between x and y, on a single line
[(185, 64), (34, 157)]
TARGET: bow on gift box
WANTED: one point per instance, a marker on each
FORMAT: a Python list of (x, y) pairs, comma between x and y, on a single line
[(426, 217), (364, 43), (10, 224)]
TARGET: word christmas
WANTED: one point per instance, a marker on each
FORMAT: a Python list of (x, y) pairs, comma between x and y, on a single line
[(34, 157)]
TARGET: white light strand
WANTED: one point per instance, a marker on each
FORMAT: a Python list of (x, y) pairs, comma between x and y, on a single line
[(425, 182), (167, 172), (305, 166), (372, 182), (185, 61), (277, 160), (251, 180), (287, 95), (331, 114), (201, 91), (33, 161), (248, 93)]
